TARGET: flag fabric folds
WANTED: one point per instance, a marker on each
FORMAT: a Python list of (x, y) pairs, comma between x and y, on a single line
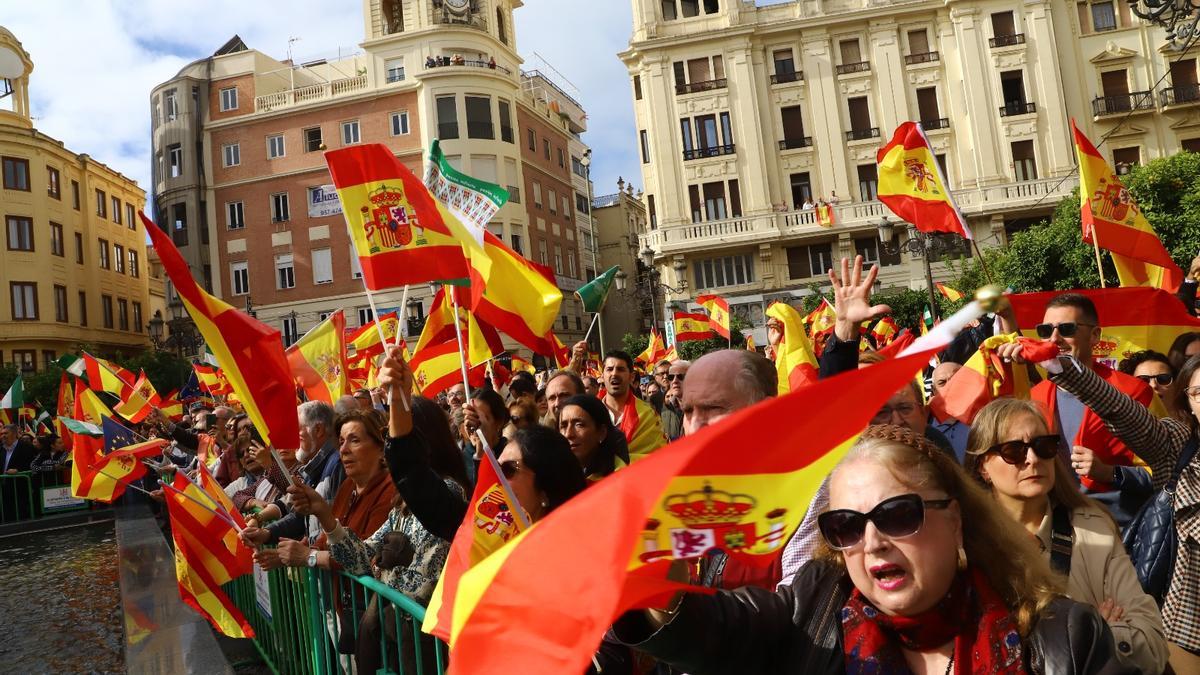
[(318, 360), (250, 352), (795, 362), (912, 185), (884, 331), (655, 350), (521, 363), (821, 320), (718, 313), (824, 213), (365, 340), (642, 427), (984, 378), (15, 396), (690, 326), (594, 293), (103, 477), (949, 293), (437, 368), (1113, 221), (567, 589), (481, 340)]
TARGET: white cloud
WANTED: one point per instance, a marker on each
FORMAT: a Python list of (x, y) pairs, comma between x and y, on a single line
[(96, 62)]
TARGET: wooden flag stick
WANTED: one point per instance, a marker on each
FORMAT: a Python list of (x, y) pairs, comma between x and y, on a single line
[(387, 347), (591, 325), (1099, 265)]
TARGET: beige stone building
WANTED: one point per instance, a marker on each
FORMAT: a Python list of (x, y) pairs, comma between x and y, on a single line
[(620, 219), (746, 113), (73, 268)]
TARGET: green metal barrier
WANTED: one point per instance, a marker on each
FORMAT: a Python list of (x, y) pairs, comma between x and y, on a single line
[(16, 491), (314, 612)]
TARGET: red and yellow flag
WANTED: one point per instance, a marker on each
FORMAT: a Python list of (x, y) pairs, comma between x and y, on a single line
[(208, 553), (949, 293), (138, 400), (86, 449), (656, 349), (985, 377), (795, 362), (250, 352), (912, 185), (718, 313), (104, 375), (318, 360), (825, 217), (691, 327), (438, 367), (481, 340), (676, 504), (672, 355), (821, 320), (885, 331), (750, 343), (210, 379), (521, 363), (1113, 221), (642, 428), (365, 340)]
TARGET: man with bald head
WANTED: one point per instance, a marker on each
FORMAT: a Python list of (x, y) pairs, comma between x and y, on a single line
[(955, 431), (723, 382)]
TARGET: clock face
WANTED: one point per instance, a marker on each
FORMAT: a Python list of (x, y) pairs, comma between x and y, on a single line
[(458, 5)]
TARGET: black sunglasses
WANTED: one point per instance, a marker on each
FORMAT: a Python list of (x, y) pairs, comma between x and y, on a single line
[(1013, 452), (897, 517), (510, 468), (674, 376), (1163, 379), (1065, 329)]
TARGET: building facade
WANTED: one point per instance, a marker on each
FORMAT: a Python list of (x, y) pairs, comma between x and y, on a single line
[(73, 267), (745, 114), (620, 220), (267, 222)]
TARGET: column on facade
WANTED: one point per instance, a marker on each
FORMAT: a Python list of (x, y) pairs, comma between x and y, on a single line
[(826, 103), (666, 180), (965, 34), (1042, 57), (748, 99), (890, 83)]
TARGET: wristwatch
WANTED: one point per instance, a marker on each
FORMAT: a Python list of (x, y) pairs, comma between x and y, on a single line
[(312, 559)]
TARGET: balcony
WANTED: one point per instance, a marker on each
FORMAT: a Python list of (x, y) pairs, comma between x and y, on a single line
[(1017, 108), (862, 134), (1007, 40), (309, 94), (927, 57), (860, 67), (715, 151), (1122, 103), (939, 123), (449, 62), (783, 78), (1181, 94), (693, 87), (795, 143)]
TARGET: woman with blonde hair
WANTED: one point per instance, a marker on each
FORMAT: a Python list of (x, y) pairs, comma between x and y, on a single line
[(1014, 454), (920, 573)]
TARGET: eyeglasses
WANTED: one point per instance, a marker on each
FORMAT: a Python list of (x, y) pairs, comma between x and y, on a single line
[(671, 377), (510, 468), (1065, 329), (885, 413), (1163, 379), (897, 517), (1013, 452)]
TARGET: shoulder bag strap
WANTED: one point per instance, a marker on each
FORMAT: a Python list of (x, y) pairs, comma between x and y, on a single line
[(1185, 457), (1062, 539)]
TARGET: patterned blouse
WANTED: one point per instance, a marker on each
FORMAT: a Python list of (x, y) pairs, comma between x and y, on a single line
[(415, 581), (1158, 442)]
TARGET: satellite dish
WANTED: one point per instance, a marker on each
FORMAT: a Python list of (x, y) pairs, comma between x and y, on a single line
[(12, 65)]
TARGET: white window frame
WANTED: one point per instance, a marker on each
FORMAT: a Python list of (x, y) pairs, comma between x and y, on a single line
[(276, 147), (229, 99), (365, 316), (285, 272), (289, 332), (393, 70), (175, 160), (231, 154), (351, 133), (399, 123), (322, 266), (170, 105), (355, 264), (239, 277), (235, 215), (284, 214)]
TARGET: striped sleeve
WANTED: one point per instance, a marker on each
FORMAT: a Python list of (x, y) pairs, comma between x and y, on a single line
[(1156, 441)]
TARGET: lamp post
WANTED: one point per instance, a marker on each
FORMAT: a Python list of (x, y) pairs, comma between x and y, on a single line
[(587, 170), (180, 333), (155, 328), (916, 243), (293, 327), (1178, 17), (647, 285), (414, 317)]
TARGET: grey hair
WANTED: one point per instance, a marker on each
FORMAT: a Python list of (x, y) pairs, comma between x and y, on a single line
[(313, 413), (756, 376), (344, 405)]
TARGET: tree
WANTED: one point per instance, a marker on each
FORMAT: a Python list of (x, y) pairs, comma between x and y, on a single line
[(165, 370)]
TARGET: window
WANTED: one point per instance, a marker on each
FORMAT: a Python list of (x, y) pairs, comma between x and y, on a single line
[(16, 173), (350, 132), (137, 317), (868, 248), (400, 123), (229, 99), (231, 154), (918, 41), (179, 232), (394, 68), (928, 111), (860, 113), (123, 314), (104, 260), (732, 270), (516, 243), (506, 129), (24, 300), (1124, 159), (116, 210), (562, 159), (60, 303), (322, 266), (57, 246), (119, 258), (785, 62), (1003, 24), (239, 274), (479, 117), (652, 212), (813, 260), (868, 182), (288, 331), (52, 187), (793, 128), (285, 272), (1191, 144), (532, 139), (546, 148), (850, 52), (577, 167), (355, 264), (581, 204), (365, 316), (20, 233), (566, 321), (669, 10), (447, 117), (106, 310), (170, 105), (566, 208), (75, 195), (82, 308), (537, 194), (275, 146), (134, 271), (552, 198), (279, 208), (500, 29), (25, 360), (175, 160), (1104, 16), (130, 217), (542, 251), (1024, 165), (235, 216), (637, 87), (312, 139), (79, 248), (558, 268), (571, 264), (1012, 86), (714, 201)]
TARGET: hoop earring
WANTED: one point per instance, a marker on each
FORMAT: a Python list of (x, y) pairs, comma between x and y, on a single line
[(962, 559)]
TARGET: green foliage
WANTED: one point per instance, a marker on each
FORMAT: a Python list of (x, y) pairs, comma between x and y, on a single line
[(165, 370), (634, 344), (908, 306)]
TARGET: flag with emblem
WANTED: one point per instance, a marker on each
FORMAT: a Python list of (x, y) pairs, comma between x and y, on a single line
[(318, 360), (365, 340), (821, 319), (103, 477), (689, 326), (912, 186), (986, 377), (884, 331), (718, 313), (655, 350), (436, 368), (521, 363)]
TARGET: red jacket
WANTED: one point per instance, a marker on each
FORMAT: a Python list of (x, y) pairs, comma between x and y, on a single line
[(1093, 434)]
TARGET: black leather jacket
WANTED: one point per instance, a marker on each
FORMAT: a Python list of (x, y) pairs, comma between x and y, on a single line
[(798, 630)]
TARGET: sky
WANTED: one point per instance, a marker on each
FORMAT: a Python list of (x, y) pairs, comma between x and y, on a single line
[(95, 63)]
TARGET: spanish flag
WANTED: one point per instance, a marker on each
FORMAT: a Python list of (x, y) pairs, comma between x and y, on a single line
[(655, 350), (675, 505), (691, 327), (985, 378), (87, 442), (521, 363), (211, 379), (138, 400), (825, 217), (481, 340), (1113, 221), (105, 476), (750, 343), (250, 352), (795, 361), (672, 355), (949, 293), (642, 428), (821, 320), (365, 340), (438, 367), (718, 313), (318, 360), (103, 375), (912, 185)]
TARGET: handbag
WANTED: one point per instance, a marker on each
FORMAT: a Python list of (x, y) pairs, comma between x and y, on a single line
[(1150, 539)]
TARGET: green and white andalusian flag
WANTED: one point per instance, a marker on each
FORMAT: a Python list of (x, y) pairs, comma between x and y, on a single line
[(15, 398)]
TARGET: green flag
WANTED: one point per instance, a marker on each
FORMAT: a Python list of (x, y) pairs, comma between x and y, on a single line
[(595, 292), (81, 427), (15, 398), (73, 365)]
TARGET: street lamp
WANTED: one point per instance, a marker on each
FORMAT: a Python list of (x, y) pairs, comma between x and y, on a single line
[(916, 243), (155, 326), (250, 309), (414, 316), (293, 327), (1178, 17)]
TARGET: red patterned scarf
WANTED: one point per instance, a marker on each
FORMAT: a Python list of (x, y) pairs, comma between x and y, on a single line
[(972, 615)]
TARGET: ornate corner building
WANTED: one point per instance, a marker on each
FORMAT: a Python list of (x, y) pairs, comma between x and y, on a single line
[(73, 267), (746, 114), (240, 179)]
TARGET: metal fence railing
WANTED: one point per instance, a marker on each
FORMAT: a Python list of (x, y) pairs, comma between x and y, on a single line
[(30, 495)]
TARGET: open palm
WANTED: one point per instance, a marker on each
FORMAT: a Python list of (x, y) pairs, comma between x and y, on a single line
[(852, 294)]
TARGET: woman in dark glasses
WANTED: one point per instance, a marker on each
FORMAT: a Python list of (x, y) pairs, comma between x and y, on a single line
[(1151, 367), (922, 574), (1012, 452)]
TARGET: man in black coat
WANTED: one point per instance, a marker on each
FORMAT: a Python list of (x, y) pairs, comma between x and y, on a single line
[(18, 454)]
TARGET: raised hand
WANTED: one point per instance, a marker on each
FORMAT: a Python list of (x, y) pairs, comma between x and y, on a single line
[(852, 298)]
